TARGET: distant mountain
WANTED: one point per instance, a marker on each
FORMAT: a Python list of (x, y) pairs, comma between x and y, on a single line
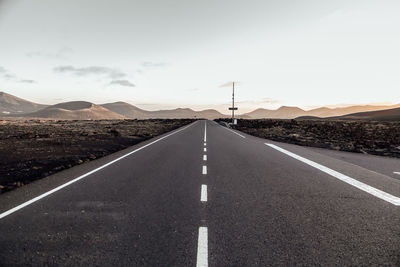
[(323, 112), (379, 115), (283, 112), (180, 113), (75, 110), (132, 112), (126, 110), (10, 104)]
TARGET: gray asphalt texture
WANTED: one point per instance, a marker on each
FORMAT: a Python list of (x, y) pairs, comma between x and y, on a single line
[(264, 208)]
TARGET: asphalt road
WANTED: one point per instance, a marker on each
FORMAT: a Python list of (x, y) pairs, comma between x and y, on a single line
[(207, 196)]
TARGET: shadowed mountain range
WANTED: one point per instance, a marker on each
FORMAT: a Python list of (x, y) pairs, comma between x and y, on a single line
[(11, 106), (323, 112)]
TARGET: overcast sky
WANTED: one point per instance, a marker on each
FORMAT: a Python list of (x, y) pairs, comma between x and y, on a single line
[(177, 53)]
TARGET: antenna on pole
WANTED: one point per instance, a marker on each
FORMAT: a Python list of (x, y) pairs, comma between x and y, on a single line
[(233, 104)]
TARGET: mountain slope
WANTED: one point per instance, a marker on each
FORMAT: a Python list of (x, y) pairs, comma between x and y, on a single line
[(75, 110), (126, 110), (10, 104), (330, 112), (379, 115)]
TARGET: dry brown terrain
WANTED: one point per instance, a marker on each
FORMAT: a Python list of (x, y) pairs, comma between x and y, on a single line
[(371, 137), (32, 149)]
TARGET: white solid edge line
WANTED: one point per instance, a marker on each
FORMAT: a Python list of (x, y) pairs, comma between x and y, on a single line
[(202, 248), (397, 173), (204, 169), (234, 132), (203, 197), (10, 211), (205, 157), (351, 181), (205, 131)]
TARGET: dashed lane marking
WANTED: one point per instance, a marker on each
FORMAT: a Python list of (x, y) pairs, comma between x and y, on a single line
[(203, 197), (202, 248), (204, 169), (205, 131)]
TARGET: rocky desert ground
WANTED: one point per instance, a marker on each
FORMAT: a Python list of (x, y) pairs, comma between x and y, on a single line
[(33, 149), (371, 137)]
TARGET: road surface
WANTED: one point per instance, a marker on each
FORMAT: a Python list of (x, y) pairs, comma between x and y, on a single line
[(208, 196)]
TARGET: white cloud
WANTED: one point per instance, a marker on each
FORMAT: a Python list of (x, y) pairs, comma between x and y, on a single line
[(122, 83)]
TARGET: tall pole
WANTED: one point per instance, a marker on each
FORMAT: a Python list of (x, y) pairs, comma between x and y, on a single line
[(233, 102)]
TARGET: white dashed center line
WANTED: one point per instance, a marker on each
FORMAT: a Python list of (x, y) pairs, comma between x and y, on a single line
[(204, 169), (397, 173), (202, 248), (203, 197), (205, 131)]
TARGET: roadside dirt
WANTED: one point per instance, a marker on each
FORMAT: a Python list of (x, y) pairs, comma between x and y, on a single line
[(369, 137), (33, 149)]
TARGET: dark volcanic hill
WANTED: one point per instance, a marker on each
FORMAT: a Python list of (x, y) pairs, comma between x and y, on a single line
[(75, 110), (10, 104), (379, 115), (331, 112)]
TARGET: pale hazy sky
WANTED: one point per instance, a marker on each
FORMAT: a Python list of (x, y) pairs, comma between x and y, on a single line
[(176, 53)]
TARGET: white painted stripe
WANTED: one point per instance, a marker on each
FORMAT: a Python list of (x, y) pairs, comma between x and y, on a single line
[(205, 149), (10, 211), (205, 131), (205, 157), (234, 132), (204, 169), (205, 144), (397, 173), (351, 181), (202, 248), (203, 197)]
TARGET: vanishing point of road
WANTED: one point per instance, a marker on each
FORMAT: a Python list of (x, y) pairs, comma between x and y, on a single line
[(205, 195)]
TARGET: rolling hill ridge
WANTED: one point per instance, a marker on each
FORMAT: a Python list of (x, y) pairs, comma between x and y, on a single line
[(12, 106)]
